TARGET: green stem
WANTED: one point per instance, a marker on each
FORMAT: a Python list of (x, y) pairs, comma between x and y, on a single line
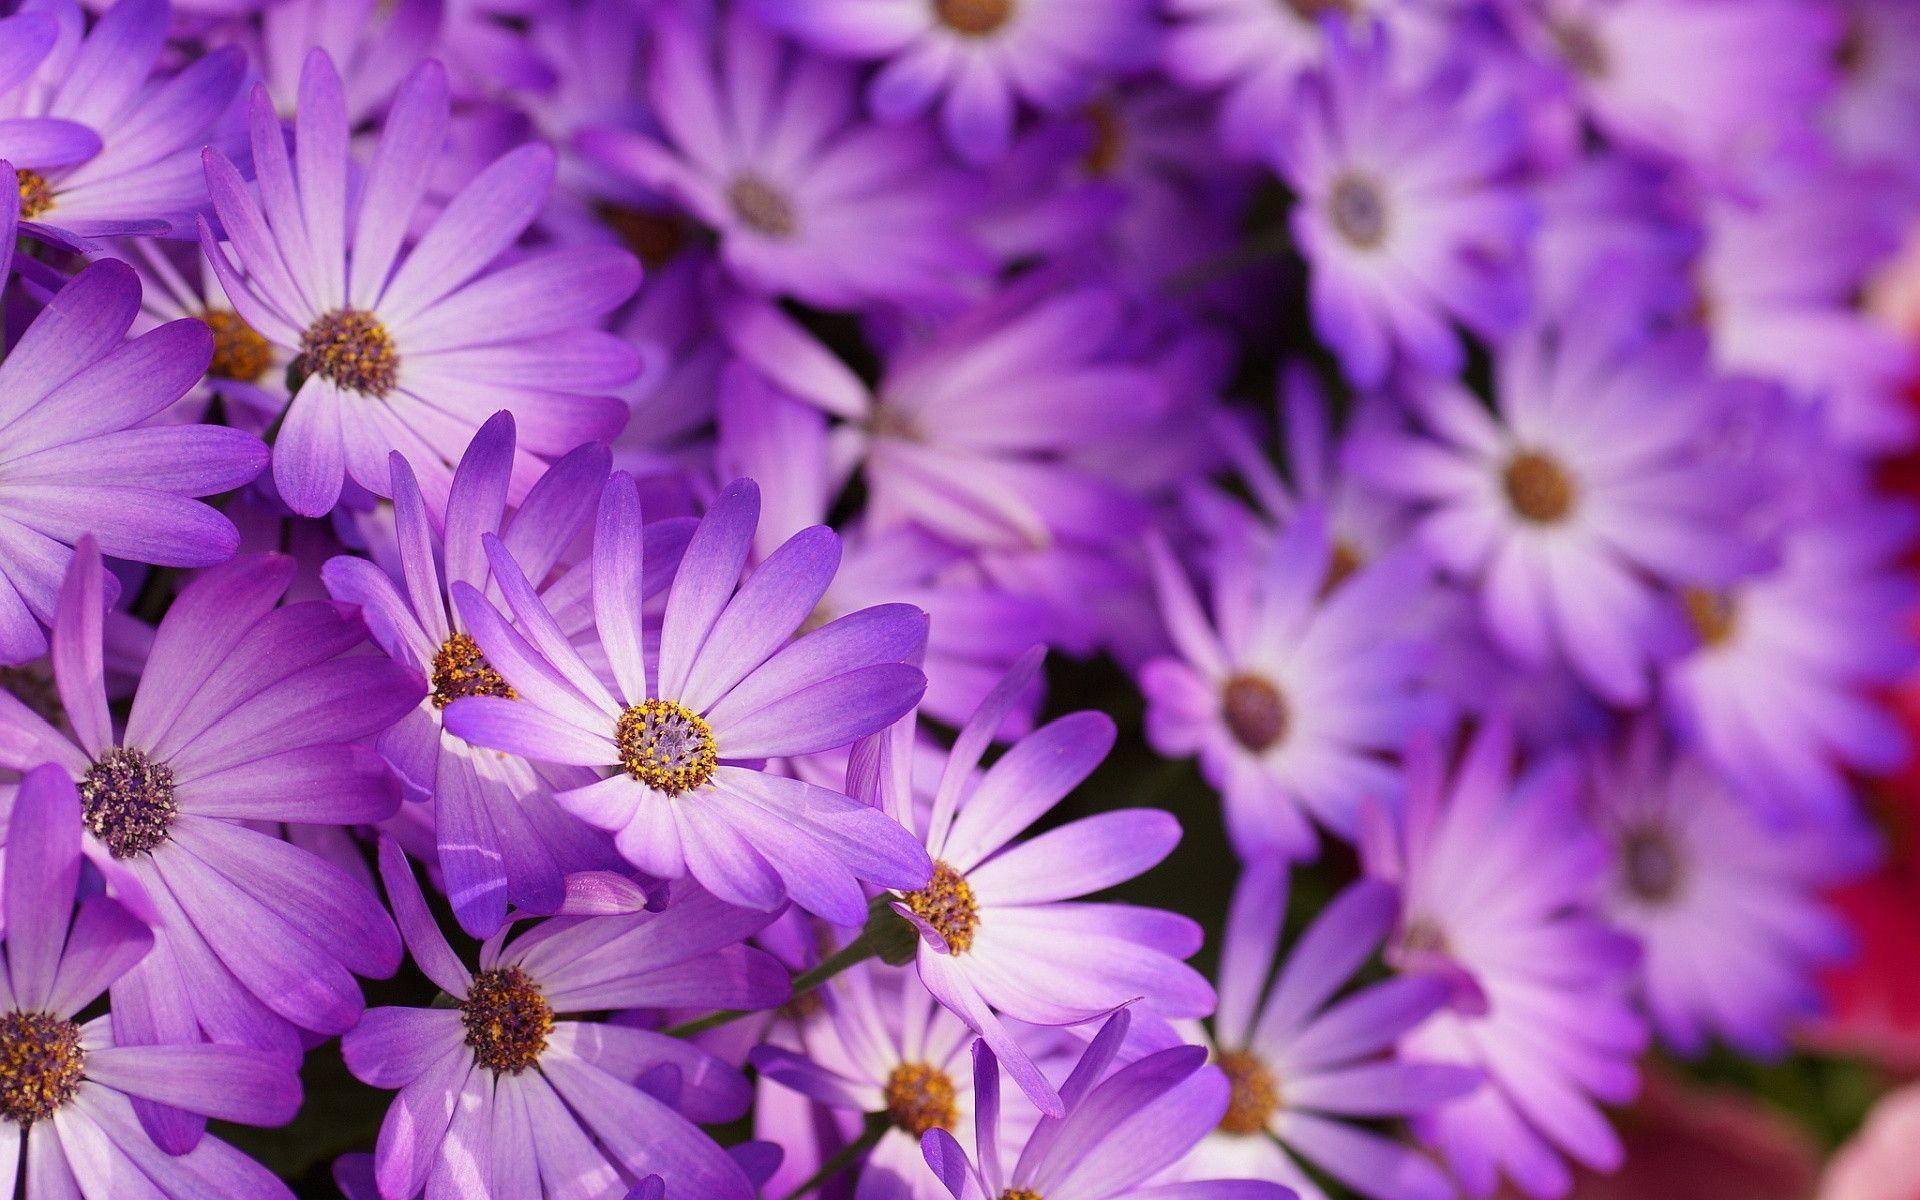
[(877, 1125), (878, 937)]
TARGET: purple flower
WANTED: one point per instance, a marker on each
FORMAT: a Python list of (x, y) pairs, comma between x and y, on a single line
[(376, 46), (246, 713), (410, 352), (105, 147), (1499, 880), (977, 58), (78, 457), (502, 840), (1002, 933), (1407, 214), (886, 1048), (72, 1087), (686, 737), (1591, 484), (1778, 692), (1873, 114), (1300, 1063), (498, 1097), (760, 142), (1295, 689), (1115, 1136), (1728, 910)]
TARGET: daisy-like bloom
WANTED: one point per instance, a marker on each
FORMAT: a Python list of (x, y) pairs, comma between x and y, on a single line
[(105, 146), (1296, 687), (978, 58), (500, 1098), (68, 1088), (1711, 81), (410, 352), (1114, 1138), (1301, 1063), (501, 838), (1408, 212), (685, 736), (1778, 693), (78, 456), (761, 142), (1728, 910), (1590, 485), (1002, 931), (1258, 50), (1499, 881), (246, 713)]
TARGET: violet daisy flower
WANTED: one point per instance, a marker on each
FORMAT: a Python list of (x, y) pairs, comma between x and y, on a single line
[(1296, 688), (1778, 692), (71, 1086), (499, 1099), (104, 146), (1115, 1137), (686, 737), (1499, 882), (760, 141), (78, 457), (1590, 485), (502, 840), (410, 352), (1408, 212), (978, 58), (1728, 909), (1002, 930), (246, 713), (1301, 1064)]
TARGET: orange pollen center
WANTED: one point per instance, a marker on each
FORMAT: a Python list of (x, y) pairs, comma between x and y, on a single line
[(1538, 488), (507, 1020), (1253, 1095), (920, 1097), (947, 904), (666, 746), (239, 352), (460, 670), (1713, 614), (974, 18), (36, 195), (41, 1064), (351, 349)]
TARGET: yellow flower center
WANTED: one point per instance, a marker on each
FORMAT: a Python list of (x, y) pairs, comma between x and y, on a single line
[(239, 352), (41, 1063), (460, 670), (507, 1020), (1253, 1095), (1538, 488), (920, 1097), (666, 746), (947, 904), (36, 195), (351, 349)]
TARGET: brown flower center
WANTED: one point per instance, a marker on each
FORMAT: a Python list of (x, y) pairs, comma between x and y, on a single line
[(666, 746), (352, 350), (1253, 1095), (947, 904), (1713, 614), (1652, 864), (239, 352), (460, 670), (654, 237), (36, 195), (507, 1020), (974, 18), (1255, 712), (920, 1097), (1358, 211), (1420, 937), (1313, 10), (1020, 1194), (41, 1063), (1538, 488), (1579, 44), (127, 801), (1109, 138), (762, 207)]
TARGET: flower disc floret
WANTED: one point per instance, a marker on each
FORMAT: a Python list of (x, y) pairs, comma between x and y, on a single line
[(351, 349), (947, 904), (920, 1097), (41, 1064), (666, 746), (461, 670), (127, 801), (1254, 1095), (507, 1020)]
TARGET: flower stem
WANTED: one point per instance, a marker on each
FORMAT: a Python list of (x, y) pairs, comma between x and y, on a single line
[(877, 1125)]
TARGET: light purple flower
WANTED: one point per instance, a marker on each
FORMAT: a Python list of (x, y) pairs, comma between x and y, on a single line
[(502, 840), (1499, 882), (72, 1087), (1294, 686), (685, 737), (78, 456), (978, 59), (246, 713), (1002, 930), (498, 1098), (760, 141), (1302, 1063), (376, 46), (411, 352), (1115, 1137), (1873, 114), (1591, 484), (106, 146), (1728, 909), (1408, 213), (1778, 692)]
